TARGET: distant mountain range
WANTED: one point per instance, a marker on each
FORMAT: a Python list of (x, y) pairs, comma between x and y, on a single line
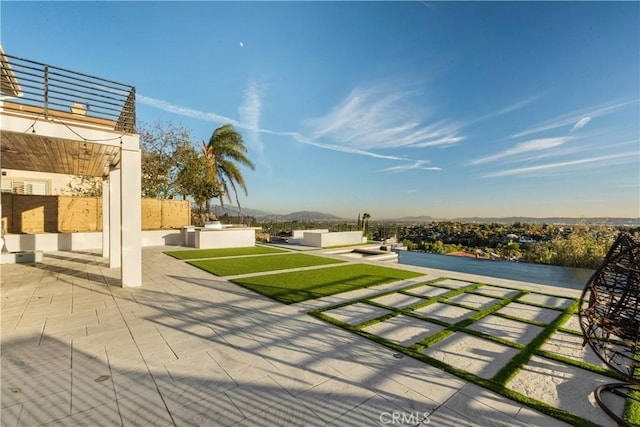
[(294, 216), (321, 216), (555, 220)]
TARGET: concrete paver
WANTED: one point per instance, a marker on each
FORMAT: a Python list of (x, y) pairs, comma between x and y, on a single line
[(403, 329), (475, 355), (189, 348)]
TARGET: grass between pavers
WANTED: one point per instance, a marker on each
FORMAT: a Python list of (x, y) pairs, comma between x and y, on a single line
[(259, 264), (499, 381), (632, 405), (223, 252), (632, 408), (298, 286)]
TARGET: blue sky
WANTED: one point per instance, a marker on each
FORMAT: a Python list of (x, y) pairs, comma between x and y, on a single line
[(406, 108)]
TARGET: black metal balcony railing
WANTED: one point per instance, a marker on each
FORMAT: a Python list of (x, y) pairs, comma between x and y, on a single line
[(62, 94)]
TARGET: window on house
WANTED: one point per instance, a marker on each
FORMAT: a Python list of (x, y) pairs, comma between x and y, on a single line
[(6, 186), (35, 187)]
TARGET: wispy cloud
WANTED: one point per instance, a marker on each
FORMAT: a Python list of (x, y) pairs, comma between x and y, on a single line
[(581, 123), (506, 110), (419, 165), (575, 117), (532, 145), (305, 140), (628, 156), (183, 111), (249, 113), (381, 116)]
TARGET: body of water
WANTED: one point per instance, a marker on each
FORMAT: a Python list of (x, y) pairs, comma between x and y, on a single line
[(564, 277)]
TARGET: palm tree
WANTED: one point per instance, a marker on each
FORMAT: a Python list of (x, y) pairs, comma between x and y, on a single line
[(365, 221), (225, 152)]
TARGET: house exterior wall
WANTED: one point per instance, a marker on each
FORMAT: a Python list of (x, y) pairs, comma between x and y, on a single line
[(14, 180)]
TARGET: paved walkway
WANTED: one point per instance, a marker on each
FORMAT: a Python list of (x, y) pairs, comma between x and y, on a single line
[(188, 348)]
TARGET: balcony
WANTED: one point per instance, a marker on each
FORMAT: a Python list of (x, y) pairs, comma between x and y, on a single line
[(34, 88), (62, 121)]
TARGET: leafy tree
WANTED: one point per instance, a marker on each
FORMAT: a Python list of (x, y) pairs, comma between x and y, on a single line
[(164, 148), (225, 152), (82, 185), (510, 250), (409, 245), (584, 247), (197, 178), (540, 253)]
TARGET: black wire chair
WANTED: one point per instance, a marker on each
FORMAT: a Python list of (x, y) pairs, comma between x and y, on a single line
[(610, 318)]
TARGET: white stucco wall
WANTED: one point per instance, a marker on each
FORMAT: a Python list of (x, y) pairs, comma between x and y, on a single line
[(210, 238), (323, 240), (299, 234), (161, 238), (56, 182), (82, 241), (53, 242), (225, 238)]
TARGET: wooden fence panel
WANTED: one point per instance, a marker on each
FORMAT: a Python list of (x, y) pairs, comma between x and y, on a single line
[(175, 213), (31, 214), (151, 214), (76, 214)]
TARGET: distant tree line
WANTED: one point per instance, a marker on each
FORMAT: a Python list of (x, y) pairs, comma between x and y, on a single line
[(579, 245)]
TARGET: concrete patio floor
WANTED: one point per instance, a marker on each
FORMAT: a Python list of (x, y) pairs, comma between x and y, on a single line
[(189, 348)]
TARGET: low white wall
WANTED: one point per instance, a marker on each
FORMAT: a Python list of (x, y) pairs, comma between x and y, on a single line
[(299, 234), (53, 242), (323, 240), (161, 238), (210, 238), (82, 241)]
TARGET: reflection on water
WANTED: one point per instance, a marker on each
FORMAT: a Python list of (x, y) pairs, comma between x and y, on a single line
[(564, 277)]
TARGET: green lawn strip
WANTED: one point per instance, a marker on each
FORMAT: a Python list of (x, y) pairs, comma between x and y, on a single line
[(570, 331), (545, 408), (632, 404), (533, 304), (522, 358), (298, 286), (408, 289), (367, 323), (521, 319), (223, 252), (632, 408), (258, 264)]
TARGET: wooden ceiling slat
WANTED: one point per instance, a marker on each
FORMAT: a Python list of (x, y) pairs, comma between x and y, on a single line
[(37, 153)]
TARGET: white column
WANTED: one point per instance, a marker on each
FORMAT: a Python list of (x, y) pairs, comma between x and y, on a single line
[(131, 217), (105, 217), (114, 218)]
